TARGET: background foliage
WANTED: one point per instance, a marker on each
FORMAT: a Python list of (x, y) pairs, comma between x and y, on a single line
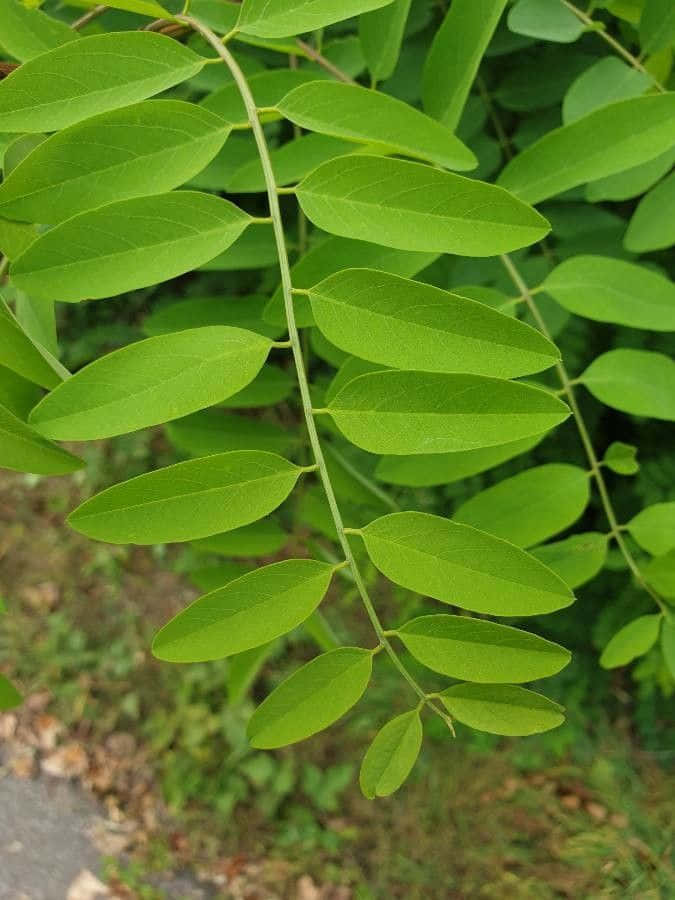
[(566, 109)]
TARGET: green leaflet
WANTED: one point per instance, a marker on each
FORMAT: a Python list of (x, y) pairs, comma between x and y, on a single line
[(281, 18), (432, 469), (258, 539), (531, 506), (270, 386), (621, 458), (654, 528), (577, 559), (481, 651), (29, 32), (15, 238), (23, 356), (387, 124), (9, 696), (92, 75), (24, 450), (502, 709), (127, 245), (391, 756), (213, 431), (312, 698), (652, 226), (632, 182), (657, 25), (611, 290), (17, 394), (640, 382), (457, 564), (241, 312), (668, 645), (246, 613), (396, 322), (411, 206), (267, 88), (243, 669), (631, 641), (600, 144), (188, 500), (142, 7), (290, 162), (606, 81), (455, 55), (547, 20), (421, 412), (659, 573), (351, 368), (331, 256), (381, 36), (143, 149), (150, 382), (254, 249)]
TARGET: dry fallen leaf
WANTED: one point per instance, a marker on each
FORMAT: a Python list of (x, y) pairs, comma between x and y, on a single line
[(66, 762), (87, 887)]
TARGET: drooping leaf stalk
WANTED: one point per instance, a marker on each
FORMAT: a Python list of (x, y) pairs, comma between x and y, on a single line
[(296, 349)]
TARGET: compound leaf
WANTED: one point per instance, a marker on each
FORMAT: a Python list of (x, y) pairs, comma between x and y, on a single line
[(258, 539), (22, 356), (188, 500), (150, 382), (652, 226), (312, 698), (391, 756), (481, 651), (657, 25), (457, 564), (246, 613)]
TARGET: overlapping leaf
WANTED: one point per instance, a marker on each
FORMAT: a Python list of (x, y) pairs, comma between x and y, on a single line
[(152, 381), (188, 500), (396, 322), (460, 565), (416, 412), (415, 207)]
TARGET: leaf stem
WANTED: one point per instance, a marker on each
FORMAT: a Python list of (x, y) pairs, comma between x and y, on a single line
[(326, 64), (599, 28), (88, 17), (303, 384), (595, 466)]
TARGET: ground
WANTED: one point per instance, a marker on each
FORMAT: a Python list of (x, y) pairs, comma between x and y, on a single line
[(123, 772)]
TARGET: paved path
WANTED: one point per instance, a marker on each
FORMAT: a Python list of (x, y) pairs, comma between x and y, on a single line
[(43, 841)]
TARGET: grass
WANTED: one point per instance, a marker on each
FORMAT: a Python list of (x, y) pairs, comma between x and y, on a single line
[(583, 813)]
